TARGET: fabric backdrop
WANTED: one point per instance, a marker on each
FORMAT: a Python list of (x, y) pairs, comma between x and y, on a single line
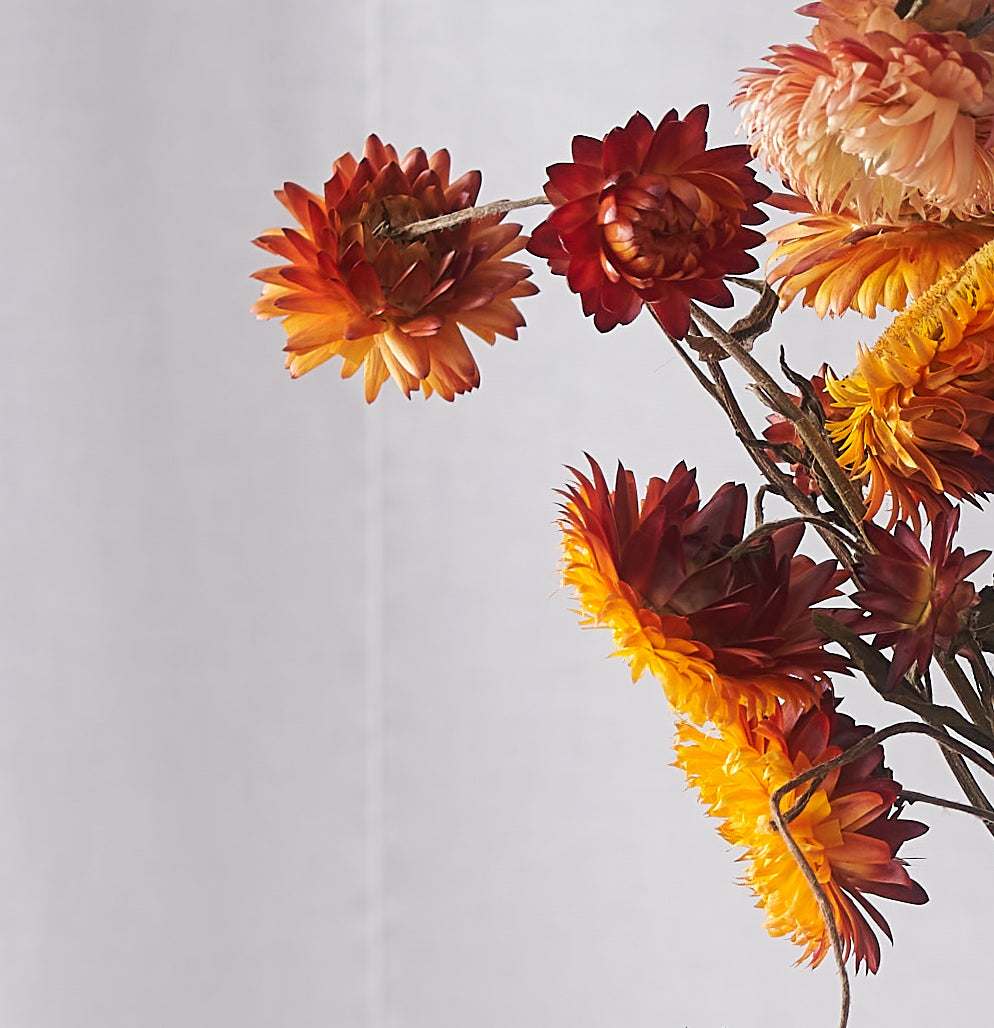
[(296, 727)]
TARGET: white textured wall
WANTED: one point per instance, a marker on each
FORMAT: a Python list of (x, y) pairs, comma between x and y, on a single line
[(295, 729)]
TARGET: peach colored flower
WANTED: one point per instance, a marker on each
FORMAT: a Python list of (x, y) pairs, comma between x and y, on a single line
[(879, 114)]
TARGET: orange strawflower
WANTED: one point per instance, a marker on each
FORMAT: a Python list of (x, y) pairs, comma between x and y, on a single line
[(848, 831), (878, 115), (838, 263), (916, 417), (651, 216), (356, 287), (718, 629)]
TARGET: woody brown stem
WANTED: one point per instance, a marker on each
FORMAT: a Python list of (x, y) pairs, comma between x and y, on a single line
[(982, 675), (910, 796), (419, 228), (817, 774), (782, 403), (965, 692), (781, 483), (769, 527)]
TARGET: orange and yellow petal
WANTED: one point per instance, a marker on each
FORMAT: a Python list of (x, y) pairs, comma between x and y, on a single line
[(660, 646), (847, 830), (916, 417), (835, 263), (878, 113), (719, 632), (358, 288)]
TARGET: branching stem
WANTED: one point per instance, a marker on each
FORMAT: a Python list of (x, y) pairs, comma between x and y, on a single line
[(783, 405), (419, 228), (817, 774)]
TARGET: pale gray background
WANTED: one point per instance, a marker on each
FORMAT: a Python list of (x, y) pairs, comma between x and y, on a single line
[(296, 729)]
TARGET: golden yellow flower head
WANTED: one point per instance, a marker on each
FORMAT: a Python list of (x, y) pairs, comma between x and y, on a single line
[(916, 417), (848, 831)]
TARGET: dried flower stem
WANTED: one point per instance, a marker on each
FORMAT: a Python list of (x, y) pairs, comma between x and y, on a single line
[(757, 285), (817, 774), (910, 796), (821, 898), (758, 449), (759, 517), (961, 686), (978, 26), (769, 527), (706, 384), (419, 228), (909, 8), (981, 673), (782, 403)]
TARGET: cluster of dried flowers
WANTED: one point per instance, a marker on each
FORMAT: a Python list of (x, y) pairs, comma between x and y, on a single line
[(881, 129)]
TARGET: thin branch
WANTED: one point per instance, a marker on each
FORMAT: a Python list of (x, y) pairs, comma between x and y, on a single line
[(757, 505), (828, 915), (978, 26), (419, 228), (962, 687), (782, 403), (757, 285), (769, 527), (704, 381), (909, 796), (908, 8), (981, 674), (817, 774), (781, 483)]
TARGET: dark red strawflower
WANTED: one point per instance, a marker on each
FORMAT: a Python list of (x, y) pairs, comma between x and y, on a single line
[(651, 216), (676, 562), (915, 597)]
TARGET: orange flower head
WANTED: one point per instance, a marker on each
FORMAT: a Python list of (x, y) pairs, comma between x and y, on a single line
[(836, 263), (848, 831), (915, 597), (916, 417), (651, 216), (719, 627), (357, 287), (878, 114)]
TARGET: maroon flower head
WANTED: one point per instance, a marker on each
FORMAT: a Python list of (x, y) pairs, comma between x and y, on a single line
[(915, 597), (651, 216)]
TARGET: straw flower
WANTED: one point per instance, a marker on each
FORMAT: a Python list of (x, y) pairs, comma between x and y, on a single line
[(849, 831), (718, 629), (916, 417), (651, 216), (879, 113), (357, 288), (916, 598)]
